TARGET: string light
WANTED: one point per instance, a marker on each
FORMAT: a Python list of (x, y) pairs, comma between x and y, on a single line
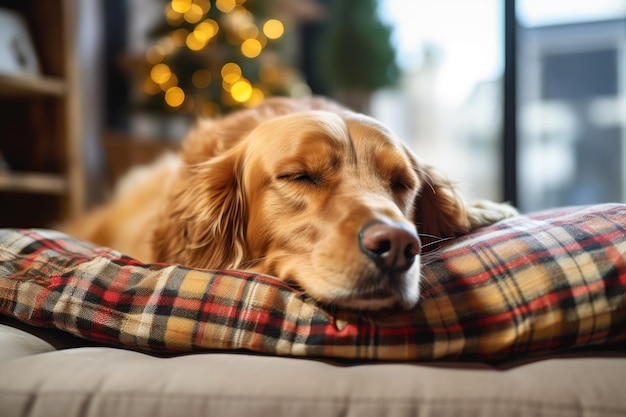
[(273, 29), (241, 90), (251, 48), (160, 73), (174, 97), (206, 30), (231, 72), (194, 14), (225, 6), (196, 41), (181, 6)]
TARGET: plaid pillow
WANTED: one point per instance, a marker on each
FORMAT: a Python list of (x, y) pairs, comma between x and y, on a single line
[(538, 283)]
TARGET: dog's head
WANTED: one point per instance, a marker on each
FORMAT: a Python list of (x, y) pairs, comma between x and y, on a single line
[(328, 200)]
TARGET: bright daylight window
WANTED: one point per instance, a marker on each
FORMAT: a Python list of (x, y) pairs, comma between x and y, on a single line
[(571, 95), (448, 106)]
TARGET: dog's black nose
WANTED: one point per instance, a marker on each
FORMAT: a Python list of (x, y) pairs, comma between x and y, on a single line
[(392, 246)]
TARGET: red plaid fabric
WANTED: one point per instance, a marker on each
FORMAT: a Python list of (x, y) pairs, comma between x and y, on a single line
[(545, 282)]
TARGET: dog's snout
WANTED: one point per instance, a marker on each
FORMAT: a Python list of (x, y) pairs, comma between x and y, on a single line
[(392, 246)]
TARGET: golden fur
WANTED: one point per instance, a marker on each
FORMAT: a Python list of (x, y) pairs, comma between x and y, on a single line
[(290, 189)]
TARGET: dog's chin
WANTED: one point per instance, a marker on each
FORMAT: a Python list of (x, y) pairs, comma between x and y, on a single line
[(376, 292)]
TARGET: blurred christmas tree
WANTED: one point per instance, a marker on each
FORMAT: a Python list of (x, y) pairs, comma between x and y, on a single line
[(355, 55), (212, 57)]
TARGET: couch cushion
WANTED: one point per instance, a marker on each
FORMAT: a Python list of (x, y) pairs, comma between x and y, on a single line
[(104, 382), (15, 343), (532, 284)]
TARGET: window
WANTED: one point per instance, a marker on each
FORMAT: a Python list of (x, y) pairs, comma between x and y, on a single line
[(571, 103), (448, 107)]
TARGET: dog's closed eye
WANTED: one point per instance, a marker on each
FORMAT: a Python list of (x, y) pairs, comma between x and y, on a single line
[(401, 184), (302, 177)]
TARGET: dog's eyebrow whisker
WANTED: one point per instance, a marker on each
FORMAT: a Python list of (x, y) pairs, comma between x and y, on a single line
[(434, 242), (429, 235)]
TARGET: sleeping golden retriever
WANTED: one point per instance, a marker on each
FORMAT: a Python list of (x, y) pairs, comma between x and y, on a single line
[(303, 190)]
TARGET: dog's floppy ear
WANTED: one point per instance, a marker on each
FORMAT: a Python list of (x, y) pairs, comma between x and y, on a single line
[(204, 223), (442, 213)]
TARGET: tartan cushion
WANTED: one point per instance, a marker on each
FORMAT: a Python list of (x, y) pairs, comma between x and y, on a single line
[(538, 283)]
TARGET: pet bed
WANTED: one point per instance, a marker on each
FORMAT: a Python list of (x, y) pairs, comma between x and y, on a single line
[(540, 283)]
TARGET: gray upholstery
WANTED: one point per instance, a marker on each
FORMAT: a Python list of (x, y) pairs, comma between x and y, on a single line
[(36, 379)]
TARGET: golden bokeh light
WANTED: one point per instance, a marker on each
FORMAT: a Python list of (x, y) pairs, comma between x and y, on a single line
[(174, 96), (241, 91), (231, 72), (225, 6), (194, 14), (273, 29), (251, 48), (194, 43), (181, 6), (160, 73), (256, 98), (205, 30)]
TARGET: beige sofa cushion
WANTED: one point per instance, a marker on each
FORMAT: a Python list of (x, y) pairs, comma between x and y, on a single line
[(108, 382), (15, 344)]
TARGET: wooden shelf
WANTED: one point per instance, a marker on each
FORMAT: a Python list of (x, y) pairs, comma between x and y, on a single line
[(31, 182), (28, 85), (41, 122)]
